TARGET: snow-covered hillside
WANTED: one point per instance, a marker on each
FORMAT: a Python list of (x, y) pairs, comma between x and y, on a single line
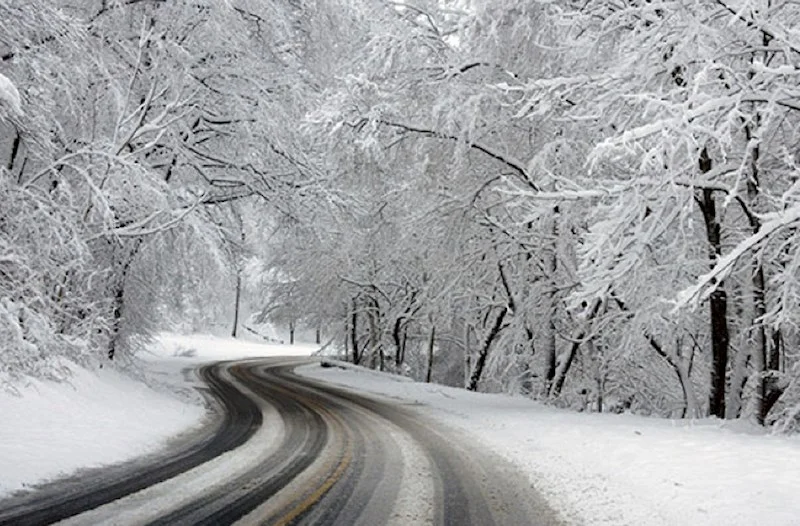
[(95, 418)]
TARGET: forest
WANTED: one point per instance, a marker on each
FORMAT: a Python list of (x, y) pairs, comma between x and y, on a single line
[(593, 203)]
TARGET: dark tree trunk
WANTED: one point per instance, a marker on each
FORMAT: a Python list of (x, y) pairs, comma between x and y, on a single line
[(377, 354), (118, 309), (773, 389), (236, 305), (116, 320), (718, 302), (399, 342), (776, 352), (526, 385), (483, 352), (566, 363), (346, 335), (431, 342), (291, 333), (761, 351), (354, 333), (761, 342), (558, 382), (14, 151), (549, 347), (719, 351)]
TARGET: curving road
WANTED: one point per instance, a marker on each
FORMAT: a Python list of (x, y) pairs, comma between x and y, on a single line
[(290, 450)]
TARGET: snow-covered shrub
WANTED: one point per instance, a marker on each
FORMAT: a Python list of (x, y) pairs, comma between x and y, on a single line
[(40, 255)]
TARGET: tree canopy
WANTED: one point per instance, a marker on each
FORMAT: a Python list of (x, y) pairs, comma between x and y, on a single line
[(590, 203)]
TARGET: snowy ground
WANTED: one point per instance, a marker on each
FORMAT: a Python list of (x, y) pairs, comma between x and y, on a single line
[(50, 429), (616, 469), (594, 469)]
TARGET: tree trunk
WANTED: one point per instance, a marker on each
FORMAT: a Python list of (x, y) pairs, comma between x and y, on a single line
[(399, 350), (467, 353), (759, 335), (354, 333), (692, 407), (116, 318), (718, 301), (526, 383), (429, 371), (760, 343), (564, 366), (483, 352), (566, 363), (14, 151), (597, 372), (346, 335), (291, 333), (375, 344), (118, 310), (549, 347), (549, 351), (682, 373), (236, 305)]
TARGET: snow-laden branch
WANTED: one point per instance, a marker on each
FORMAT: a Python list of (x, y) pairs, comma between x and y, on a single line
[(604, 189), (767, 29), (554, 83), (159, 123), (565, 195), (9, 95), (140, 228), (515, 164), (65, 161), (686, 114), (708, 283)]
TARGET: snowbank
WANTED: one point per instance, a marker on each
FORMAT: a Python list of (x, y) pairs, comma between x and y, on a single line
[(199, 348), (616, 469), (97, 418)]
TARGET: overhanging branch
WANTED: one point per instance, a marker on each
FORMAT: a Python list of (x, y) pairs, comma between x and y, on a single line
[(514, 164)]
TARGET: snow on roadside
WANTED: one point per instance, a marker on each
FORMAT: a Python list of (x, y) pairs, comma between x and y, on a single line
[(96, 418), (102, 417), (616, 469), (199, 348)]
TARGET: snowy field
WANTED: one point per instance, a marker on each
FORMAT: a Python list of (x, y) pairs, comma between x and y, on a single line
[(616, 469), (49, 429)]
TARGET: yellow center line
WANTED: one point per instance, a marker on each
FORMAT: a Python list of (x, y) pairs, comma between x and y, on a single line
[(343, 463), (321, 490)]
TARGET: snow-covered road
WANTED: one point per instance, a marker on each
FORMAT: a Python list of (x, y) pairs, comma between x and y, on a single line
[(296, 451), (594, 469)]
